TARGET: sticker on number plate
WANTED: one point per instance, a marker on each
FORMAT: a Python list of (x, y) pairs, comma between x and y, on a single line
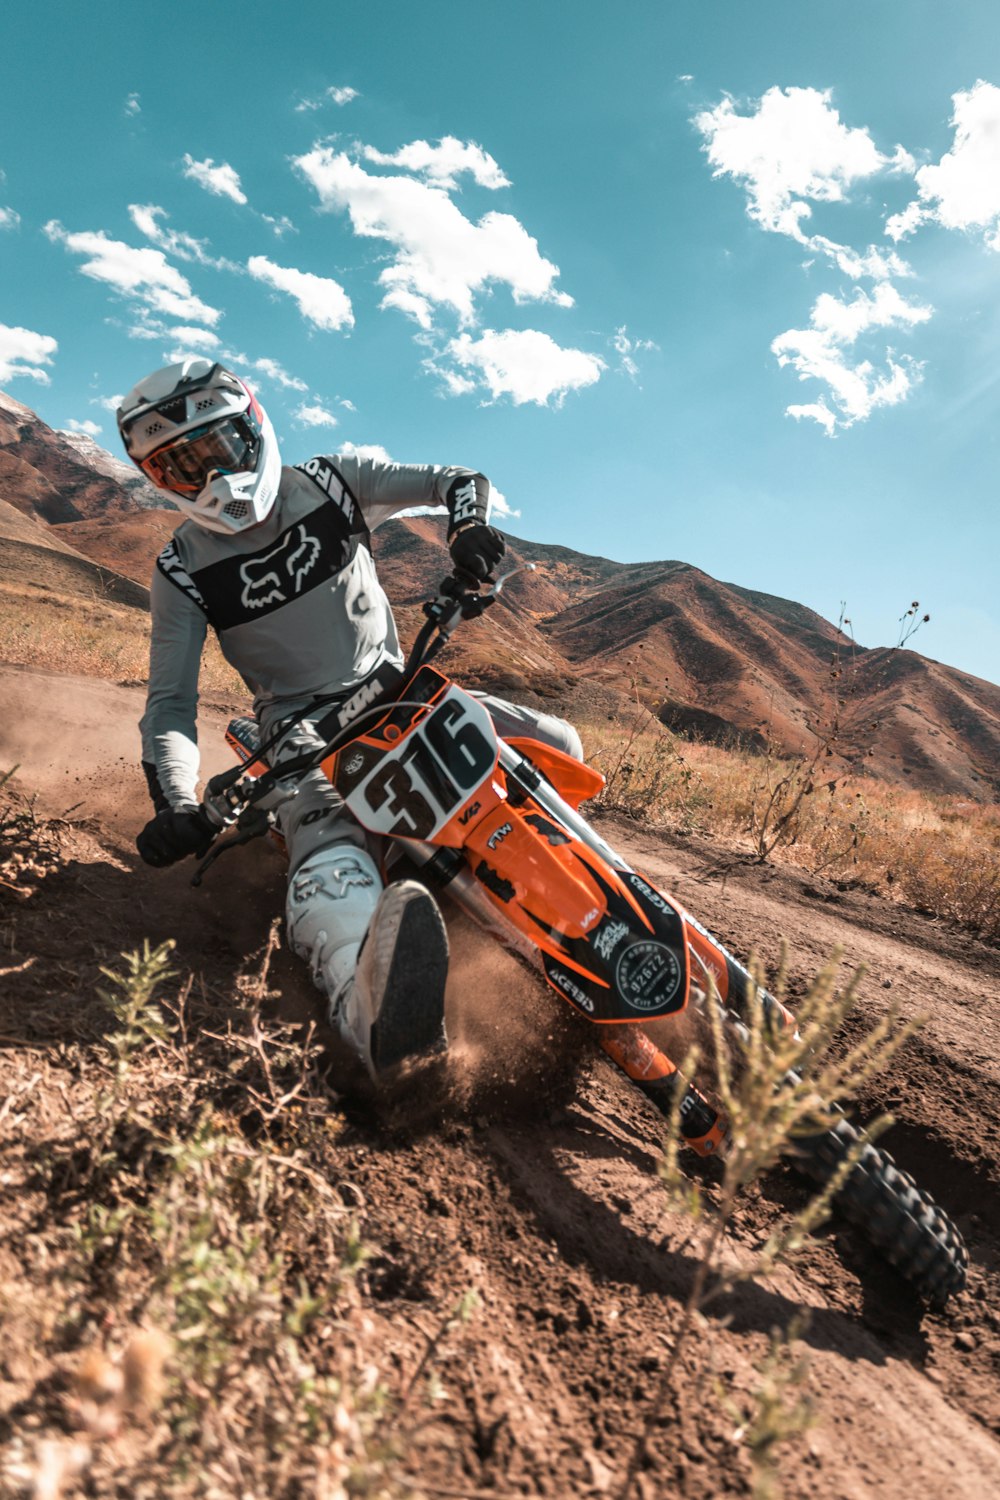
[(424, 780)]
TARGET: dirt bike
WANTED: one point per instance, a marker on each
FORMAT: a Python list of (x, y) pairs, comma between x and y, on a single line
[(496, 825)]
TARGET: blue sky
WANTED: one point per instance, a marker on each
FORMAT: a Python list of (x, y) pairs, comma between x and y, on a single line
[(597, 252)]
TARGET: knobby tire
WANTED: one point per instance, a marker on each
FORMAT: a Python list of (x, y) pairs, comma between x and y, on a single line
[(901, 1221)]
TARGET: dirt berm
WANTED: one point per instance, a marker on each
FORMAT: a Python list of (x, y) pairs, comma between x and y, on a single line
[(540, 1187)]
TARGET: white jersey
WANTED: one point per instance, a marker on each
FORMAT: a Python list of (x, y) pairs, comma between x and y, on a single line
[(295, 602)]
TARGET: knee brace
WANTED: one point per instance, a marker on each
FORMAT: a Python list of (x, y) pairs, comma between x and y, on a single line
[(331, 897)]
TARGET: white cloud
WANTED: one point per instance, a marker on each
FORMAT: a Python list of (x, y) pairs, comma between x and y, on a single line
[(9, 218), (146, 218), (885, 308), (347, 405), (898, 226), (962, 191), (444, 163), (132, 105), (321, 301), (142, 274), (88, 428), (23, 354), (525, 365), (281, 225), (315, 415), (792, 147), (201, 340), (109, 403), (273, 371), (222, 180), (500, 508), (817, 411), (790, 151), (819, 352), (454, 383), (626, 348), (873, 263), (441, 257), (339, 95), (374, 451)]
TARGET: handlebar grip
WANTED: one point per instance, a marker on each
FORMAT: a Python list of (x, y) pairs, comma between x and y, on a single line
[(223, 780)]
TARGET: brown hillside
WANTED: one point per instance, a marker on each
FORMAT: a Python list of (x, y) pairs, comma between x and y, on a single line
[(81, 489), (121, 470), (32, 558), (127, 543), (712, 659)]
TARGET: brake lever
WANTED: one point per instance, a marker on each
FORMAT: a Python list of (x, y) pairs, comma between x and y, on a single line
[(469, 601), (494, 592)]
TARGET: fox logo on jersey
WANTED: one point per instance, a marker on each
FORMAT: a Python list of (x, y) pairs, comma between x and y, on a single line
[(278, 575)]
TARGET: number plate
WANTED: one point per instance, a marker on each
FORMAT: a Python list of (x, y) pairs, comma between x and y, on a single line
[(419, 785)]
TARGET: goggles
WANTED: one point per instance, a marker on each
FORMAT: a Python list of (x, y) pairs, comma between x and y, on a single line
[(230, 446)]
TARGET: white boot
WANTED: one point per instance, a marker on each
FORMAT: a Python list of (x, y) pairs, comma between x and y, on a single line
[(386, 993)]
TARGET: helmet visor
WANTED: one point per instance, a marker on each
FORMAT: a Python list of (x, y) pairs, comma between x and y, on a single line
[(231, 446)]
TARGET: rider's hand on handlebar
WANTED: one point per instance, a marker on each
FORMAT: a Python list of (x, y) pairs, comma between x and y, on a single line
[(475, 551), (174, 833)]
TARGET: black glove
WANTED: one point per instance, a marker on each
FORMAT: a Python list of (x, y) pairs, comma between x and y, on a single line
[(175, 833), (475, 551)]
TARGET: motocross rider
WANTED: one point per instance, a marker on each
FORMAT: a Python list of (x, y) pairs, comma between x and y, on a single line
[(277, 560)]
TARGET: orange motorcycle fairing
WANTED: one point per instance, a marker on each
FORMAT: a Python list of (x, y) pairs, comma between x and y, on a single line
[(625, 970), (573, 780)]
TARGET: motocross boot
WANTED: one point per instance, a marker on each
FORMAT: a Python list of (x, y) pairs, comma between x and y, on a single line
[(379, 956), (392, 1010)]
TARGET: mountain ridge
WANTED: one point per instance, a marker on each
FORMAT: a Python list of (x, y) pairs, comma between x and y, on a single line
[(589, 636)]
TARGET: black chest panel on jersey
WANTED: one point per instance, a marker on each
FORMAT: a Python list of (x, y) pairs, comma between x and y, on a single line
[(246, 586)]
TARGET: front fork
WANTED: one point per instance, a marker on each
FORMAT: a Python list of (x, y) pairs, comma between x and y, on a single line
[(702, 1127)]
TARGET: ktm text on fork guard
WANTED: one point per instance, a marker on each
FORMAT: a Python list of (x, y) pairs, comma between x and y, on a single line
[(611, 944)]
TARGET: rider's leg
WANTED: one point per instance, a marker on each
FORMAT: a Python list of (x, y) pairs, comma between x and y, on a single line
[(379, 956), (513, 721)]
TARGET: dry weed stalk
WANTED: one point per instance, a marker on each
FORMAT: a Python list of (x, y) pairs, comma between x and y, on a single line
[(201, 1196), (781, 1086), (778, 1408)]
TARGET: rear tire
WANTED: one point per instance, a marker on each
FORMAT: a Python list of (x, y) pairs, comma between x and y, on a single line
[(903, 1223)]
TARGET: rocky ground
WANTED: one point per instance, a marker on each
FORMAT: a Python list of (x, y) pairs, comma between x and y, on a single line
[(536, 1183)]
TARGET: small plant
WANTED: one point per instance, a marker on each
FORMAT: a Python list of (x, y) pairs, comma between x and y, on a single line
[(781, 1085), (646, 772), (909, 623), (129, 997), (777, 1411)]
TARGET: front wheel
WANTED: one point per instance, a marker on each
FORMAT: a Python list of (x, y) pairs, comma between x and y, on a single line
[(903, 1223)]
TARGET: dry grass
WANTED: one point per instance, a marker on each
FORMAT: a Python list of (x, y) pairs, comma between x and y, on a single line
[(183, 1284), (62, 633), (940, 854), (776, 1085)]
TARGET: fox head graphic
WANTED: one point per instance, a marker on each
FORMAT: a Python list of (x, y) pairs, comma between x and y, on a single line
[(277, 576)]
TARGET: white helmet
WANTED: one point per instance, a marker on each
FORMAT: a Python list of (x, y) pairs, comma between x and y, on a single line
[(196, 430)]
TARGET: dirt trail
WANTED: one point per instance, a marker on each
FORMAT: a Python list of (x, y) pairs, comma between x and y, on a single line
[(540, 1187)]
